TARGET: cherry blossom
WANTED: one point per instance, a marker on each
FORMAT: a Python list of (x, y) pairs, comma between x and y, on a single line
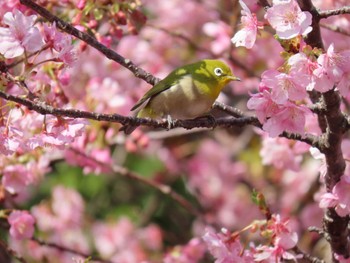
[(332, 67), (215, 174), (193, 251), (285, 86), (10, 140), (286, 17), (301, 65), (225, 248), (341, 259), (60, 132), (339, 197), (283, 240), (219, 31), (291, 118), (16, 178), (263, 104), (61, 43), (22, 224), (279, 153), (21, 35), (247, 35)]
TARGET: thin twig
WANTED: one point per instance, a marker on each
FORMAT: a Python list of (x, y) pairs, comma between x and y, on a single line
[(12, 252), (306, 256), (70, 250), (336, 29), (228, 109), (264, 3), (195, 46), (91, 41), (164, 189), (334, 12)]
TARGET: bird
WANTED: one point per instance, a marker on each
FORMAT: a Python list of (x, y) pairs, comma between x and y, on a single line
[(188, 92)]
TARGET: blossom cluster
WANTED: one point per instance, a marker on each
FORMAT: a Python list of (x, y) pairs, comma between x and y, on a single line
[(278, 103), (226, 246), (281, 92), (122, 221)]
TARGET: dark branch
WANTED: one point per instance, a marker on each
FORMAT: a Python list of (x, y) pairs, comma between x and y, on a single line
[(334, 12), (69, 250), (333, 124), (44, 109), (264, 3), (163, 188), (88, 39), (314, 37), (4, 248)]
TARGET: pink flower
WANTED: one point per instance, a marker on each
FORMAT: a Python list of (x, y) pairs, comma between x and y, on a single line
[(193, 251), (10, 140), (22, 224), (279, 153), (339, 198), (61, 43), (335, 63), (263, 104), (60, 132), (343, 85), (16, 178), (247, 35), (300, 64), (219, 31), (68, 206), (225, 248), (20, 36), (341, 258), (286, 17), (278, 225), (273, 254), (93, 161), (331, 69), (283, 240), (291, 119), (285, 86)]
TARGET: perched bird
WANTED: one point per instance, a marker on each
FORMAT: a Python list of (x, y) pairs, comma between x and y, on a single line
[(187, 92)]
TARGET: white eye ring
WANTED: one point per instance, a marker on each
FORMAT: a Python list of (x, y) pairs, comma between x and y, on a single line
[(218, 71)]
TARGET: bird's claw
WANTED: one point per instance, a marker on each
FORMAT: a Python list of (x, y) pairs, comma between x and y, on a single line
[(209, 118), (170, 122)]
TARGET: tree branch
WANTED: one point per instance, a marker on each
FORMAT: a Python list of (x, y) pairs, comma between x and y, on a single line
[(333, 127), (70, 250), (11, 252), (44, 109), (336, 29), (163, 188), (334, 12), (264, 3), (314, 37), (91, 41), (306, 256)]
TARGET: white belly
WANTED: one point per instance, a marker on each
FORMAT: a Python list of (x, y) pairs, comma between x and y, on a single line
[(182, 101)]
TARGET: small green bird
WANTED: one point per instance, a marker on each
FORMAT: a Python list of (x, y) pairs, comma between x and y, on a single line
[(186, 93)]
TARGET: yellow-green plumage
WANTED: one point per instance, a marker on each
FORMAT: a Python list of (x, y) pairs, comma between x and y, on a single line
[(187, 92)]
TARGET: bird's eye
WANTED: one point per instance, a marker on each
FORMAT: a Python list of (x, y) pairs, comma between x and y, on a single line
[(218, 71)]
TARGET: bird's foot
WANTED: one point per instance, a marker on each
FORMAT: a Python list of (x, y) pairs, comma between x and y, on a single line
[(170, 122)]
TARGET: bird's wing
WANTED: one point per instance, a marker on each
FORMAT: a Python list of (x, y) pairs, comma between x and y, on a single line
[(172, 79)]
